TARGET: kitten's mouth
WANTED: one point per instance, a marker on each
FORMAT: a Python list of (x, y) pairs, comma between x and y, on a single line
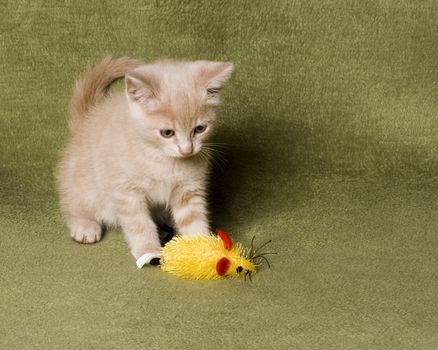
[(185, 156)]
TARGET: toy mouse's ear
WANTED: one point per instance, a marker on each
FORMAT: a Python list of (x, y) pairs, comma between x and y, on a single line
[(222, 266), (228, 243)]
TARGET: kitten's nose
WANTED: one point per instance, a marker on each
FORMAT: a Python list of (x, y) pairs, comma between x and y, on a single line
[(186, 149)]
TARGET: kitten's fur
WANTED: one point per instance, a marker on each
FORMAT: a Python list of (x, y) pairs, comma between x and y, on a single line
[(117, 167)]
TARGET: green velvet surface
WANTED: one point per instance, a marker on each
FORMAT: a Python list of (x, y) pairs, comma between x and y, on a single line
[(331, 131)]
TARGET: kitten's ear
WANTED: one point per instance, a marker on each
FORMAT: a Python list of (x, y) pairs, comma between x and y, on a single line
[(142, 86), (212, 76)]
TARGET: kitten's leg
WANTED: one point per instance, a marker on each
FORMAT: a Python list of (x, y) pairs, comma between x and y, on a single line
[(139, 228), (190, 213), (84, 230)]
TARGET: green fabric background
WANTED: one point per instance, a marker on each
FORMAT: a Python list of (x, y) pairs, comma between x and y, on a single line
[(332, 131)]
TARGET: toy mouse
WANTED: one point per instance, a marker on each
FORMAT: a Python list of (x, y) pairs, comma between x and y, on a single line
[(210, 257)]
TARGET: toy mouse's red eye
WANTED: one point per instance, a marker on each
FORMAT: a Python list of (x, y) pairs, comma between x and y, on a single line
[(222, 266), (228, 243)]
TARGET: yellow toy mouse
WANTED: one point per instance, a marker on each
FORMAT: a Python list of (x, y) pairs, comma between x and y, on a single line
[(209, 257)]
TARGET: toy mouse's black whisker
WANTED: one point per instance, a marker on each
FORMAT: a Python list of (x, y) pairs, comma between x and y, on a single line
[(262, 257), (261, 246), (267, 253), (248, 274), (251, 250)]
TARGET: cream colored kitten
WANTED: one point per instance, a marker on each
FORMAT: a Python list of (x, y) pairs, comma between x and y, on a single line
[(132, 152)]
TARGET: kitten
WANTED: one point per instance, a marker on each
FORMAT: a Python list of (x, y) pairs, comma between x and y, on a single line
[(132, 152)]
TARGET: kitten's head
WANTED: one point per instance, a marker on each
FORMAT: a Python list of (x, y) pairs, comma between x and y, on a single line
[(173, 103)]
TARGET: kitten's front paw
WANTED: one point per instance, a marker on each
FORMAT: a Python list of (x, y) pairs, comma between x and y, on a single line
[(150, 254), (85, 231), (151, 258)]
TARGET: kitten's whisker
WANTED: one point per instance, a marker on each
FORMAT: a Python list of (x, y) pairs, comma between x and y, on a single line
[(213, 150), (210, 148), (205, 157), (213, 156), (219, 144)]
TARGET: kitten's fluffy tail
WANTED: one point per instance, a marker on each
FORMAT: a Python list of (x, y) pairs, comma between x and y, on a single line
[(91, 87)]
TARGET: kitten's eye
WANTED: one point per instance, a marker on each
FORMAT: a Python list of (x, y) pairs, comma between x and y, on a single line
[(167, 133), (199, 129)]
